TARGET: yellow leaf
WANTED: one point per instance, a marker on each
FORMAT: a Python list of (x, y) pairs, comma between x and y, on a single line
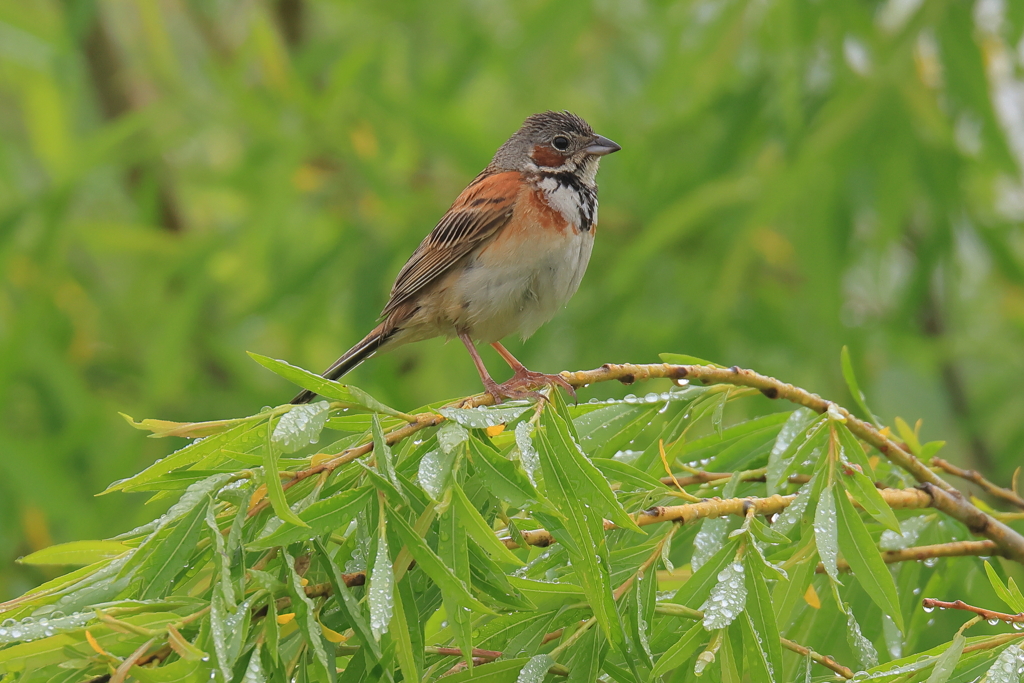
[(874, 460), (494, 430), (811, 597), (285, 618), (333, 636), (95, 645), (321, 458), (259, 494), (304, 582)]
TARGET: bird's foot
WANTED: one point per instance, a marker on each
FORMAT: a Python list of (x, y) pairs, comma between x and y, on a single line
[(525, 384)]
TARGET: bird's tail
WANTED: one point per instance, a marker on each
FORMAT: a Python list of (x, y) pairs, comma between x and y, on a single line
[(370, 344)]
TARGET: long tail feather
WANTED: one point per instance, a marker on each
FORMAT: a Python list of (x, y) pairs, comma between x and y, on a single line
[(370, 344)]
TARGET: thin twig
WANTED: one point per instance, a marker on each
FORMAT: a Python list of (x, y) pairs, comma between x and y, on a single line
[(825, 660), (987, 614), (974, 476), (708, 477), (925, 552), (906, 499)]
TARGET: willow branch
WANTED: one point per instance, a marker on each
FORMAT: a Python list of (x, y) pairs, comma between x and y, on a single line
[(825, 660), (708, 477), (945, 497), (974, 476), (932, 603), (925, 552)]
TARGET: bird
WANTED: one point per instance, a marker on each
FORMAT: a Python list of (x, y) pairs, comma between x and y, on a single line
[(507, 255)]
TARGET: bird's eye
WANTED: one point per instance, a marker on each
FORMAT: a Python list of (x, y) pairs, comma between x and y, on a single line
[(561, 143)]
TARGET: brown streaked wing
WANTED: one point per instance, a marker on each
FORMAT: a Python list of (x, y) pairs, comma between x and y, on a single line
[(478, 213)]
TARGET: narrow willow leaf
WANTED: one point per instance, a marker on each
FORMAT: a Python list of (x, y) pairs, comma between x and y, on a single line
[(501, 671), (170, 555), (488, 578), (709, 540), (478, 529), (324, 387), (528, 455), (584, 532), (382, 584), (587, 657), (910, 531), (275, 491), (682, 359), (382, 455), (453, 549), (798, 421), (729, 659), (679, 653), (791, 517), (450, 435), (435, 472), (865, 560), (867, 495), (254, 672), (484, 416), (1007, 666), (762, 615), (502, 478), (271, 632), (75, 553), (759, 668), (300, 426), (190, 454), (947, 662), (227, 627), (625, 473), (728, 598), (348, 603), (306, 613), (826, 531), (1012, 601), (579, 472), (224, 583), (403, 640), (854, 386), (536, 669), (335, 512), (866, 653), (434, 567), (698, 587)]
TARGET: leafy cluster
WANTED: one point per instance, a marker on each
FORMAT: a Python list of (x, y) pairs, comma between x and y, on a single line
[(643, 539)]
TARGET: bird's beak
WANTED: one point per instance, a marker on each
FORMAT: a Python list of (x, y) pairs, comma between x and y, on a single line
[(600, 145)]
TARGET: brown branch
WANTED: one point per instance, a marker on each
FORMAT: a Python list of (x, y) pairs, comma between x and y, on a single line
[(907, 499), (946, 498), (975, 477), (708, 477), (924, 552), (931, 603), (939, 493), (825, 660)]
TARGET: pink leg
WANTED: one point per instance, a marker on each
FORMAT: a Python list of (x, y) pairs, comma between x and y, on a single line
[(522, 377)]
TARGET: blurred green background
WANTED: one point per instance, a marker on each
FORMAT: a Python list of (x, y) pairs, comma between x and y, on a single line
[(185, 180)]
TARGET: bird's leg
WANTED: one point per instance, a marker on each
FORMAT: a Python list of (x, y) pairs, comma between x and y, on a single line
[(522, 377), (489, 384)]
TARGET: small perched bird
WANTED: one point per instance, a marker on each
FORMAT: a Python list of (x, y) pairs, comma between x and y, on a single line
[(506, 256)]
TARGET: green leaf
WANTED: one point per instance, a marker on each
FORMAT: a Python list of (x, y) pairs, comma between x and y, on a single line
[(328, 514), (854, 386), (453, 549), (864, 558), (864, 492), (583, 535), (484, 416), (947, 662), (383, 457), (679, 653), (826, 530), (170, 554), (546, 594), (501, 671), (275, 491), (327, 388), (75, 553), (579, 473), (698, 587), (347, 602), (411, 670), (380, 594), (431, 564), (682, 359), (188, 455), (625, 473), (1014, 602), (759, 668), (502, 477), (305, 613), (761, 613), (478, 529)]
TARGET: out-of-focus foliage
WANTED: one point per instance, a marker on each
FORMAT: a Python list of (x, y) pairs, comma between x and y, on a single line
[(184, 180)]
